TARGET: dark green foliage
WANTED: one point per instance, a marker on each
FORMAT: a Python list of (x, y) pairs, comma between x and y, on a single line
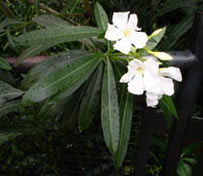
[(76, 89)]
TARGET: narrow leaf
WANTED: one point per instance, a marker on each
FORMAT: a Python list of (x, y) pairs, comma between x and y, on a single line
[(126, 114), (70, 90), (6, 23), (90, 103), (4, 65), (170, 6), (71, 5), (168, 105), (61, 79), (50, 65), (174, 33), (155, 38), (7, 136), (9, 107), (50, 21), (57, 35), (110, 109), (7, 92), (100, 16)]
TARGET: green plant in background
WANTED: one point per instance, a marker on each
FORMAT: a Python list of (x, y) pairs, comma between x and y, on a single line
[(73, 86)]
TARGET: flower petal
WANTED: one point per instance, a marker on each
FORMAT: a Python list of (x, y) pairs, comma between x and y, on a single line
[(172, 72), (151, 75), (167, 86), (112, 33), (132, 23), (120, 19), (135, 63), (128, 76), (123, 45), (136, 86), (138, 39), (152, 66), (152, 99)]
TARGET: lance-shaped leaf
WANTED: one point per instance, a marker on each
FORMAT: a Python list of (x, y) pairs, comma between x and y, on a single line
[(7, 136), (90, 103), (155, 38), (50, 21), (110, 109), (57, 35), (4, 65), (168, 107), (100, 16), (175, 32), (9, 107), (126, 114), (61, 79), (50, 65), (7, 92), (70, 90)]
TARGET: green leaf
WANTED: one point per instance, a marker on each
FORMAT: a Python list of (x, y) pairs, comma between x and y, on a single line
[(126, 114), (50, 65), (31, 51), (4, 65), (61, 79), (168, 106), (175, 32), (9, 107), (6, 23), (7, 92), (191, 148), (11, 42), (90, 103), (110, 110), (71, 5), (7, 136), (172, 5), (100, 16), (155, 38), (70, 90), (50, 21), (57, 35)]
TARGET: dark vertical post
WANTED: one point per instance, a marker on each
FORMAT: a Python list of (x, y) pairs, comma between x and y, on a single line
[(186, 100), (152, 121)]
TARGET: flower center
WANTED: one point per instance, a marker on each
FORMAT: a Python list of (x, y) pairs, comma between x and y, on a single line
[(140, 69), (126, 32)]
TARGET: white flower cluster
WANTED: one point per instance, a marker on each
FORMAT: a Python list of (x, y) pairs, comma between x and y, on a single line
[(143, 75)]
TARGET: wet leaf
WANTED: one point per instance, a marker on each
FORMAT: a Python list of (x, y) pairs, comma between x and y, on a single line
[(110, 110), (61, 79), (90, 102), (4, 65), (126, 114), (50, 21), (100, 16), (7, 92), (57, 35)]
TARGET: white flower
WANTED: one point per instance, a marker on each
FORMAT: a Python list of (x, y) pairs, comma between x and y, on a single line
[(124, 31), (152, 99), (163, 86), (141, 75)]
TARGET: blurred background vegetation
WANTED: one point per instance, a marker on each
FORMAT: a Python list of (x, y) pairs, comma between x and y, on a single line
[(33, 140)]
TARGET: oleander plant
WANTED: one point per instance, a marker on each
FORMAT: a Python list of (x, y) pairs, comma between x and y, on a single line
[(96, 64)]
